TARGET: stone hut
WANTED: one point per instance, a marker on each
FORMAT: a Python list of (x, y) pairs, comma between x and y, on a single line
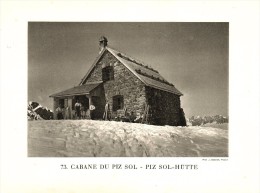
[(128, 86)]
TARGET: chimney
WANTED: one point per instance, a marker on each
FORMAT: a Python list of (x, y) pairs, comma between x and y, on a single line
[(102, 43)]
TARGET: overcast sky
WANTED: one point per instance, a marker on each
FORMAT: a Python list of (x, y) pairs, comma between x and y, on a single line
[(192, 56)]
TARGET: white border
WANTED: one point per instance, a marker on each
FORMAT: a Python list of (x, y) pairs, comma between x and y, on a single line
[(239, 174)]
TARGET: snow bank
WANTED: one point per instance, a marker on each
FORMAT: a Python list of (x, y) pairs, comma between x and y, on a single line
[(89, 138)]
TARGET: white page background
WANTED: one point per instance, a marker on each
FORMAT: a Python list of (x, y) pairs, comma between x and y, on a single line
[(20, 174)]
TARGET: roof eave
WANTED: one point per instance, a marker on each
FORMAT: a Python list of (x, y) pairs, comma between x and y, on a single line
[(68, 95), (93, 65), (131, 70), (139, 77), (159, 88), (61, 95)]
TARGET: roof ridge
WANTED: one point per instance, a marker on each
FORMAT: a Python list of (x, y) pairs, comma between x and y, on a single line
[(92, 66), (135, 60), (141, 71), (147, 80)]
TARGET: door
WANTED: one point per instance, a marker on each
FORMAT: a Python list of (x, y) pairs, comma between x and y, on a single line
[(97, 113)]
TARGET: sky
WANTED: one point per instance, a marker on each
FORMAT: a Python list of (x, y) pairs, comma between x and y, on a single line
[(192, 56)]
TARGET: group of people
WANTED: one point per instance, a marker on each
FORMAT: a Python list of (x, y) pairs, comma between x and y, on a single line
[(62, 113), (79, 112)]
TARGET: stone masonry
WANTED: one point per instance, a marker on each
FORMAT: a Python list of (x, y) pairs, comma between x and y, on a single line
[(125, 83), (131, 93), (164, 107)]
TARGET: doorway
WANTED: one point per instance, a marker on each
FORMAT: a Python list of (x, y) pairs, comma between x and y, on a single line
[(99, 108)]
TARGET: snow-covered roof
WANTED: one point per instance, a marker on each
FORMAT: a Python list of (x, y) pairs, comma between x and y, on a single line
[(147, 75), (78, 90)]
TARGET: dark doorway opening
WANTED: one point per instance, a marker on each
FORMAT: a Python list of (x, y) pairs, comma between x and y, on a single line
[(61, 103), (83, 99), (99, 108)]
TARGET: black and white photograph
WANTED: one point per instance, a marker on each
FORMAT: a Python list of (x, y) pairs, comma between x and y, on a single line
[(128, 89), (129, 96)]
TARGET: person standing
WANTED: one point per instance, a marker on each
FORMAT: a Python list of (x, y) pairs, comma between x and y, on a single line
[(67, 112), (78, 108), (106, 113), (59, 113), (83, 112)]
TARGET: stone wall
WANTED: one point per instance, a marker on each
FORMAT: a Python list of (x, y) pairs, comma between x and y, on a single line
[(125, 83), (164, 107)]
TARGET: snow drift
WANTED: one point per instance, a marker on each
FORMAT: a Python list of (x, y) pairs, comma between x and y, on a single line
[(89, 138)]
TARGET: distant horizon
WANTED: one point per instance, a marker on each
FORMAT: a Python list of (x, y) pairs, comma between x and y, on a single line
[(185, 117), (192, 56)]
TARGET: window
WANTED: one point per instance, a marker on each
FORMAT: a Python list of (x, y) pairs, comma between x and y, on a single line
[(108, 73), (118, 102)]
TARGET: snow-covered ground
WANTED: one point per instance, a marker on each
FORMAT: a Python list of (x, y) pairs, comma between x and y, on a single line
[(89, 138)]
